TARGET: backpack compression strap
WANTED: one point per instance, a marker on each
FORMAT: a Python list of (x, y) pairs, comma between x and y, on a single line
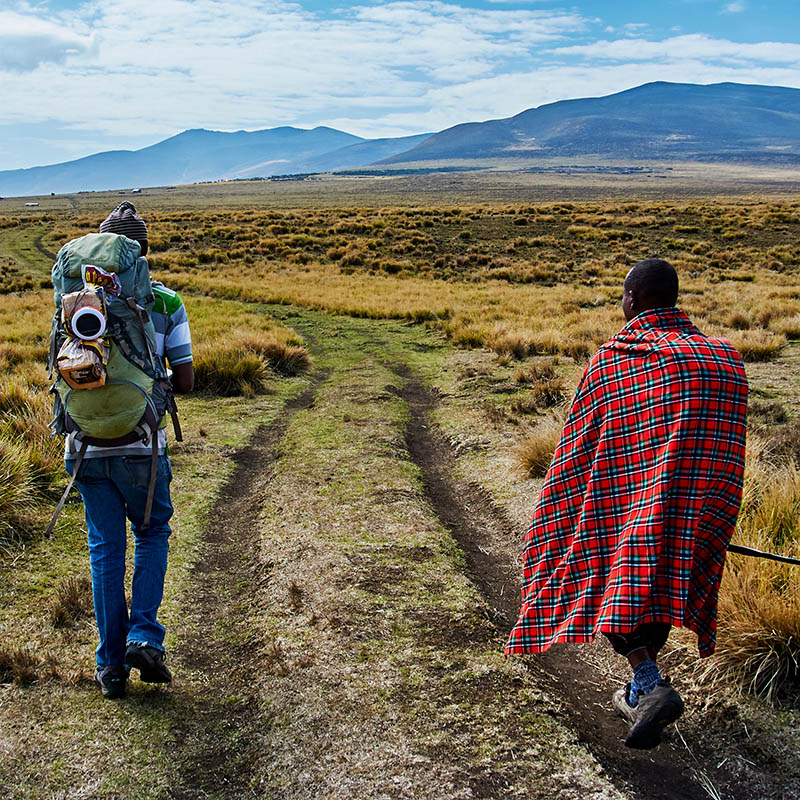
[(151, 486), (172, 407), (60, 507)]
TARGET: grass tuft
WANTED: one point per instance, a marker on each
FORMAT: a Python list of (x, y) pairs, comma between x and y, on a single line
[(535, 451), (72, 602), (785, 441), (548, 393), (17, 491), (759, 608), (758, 345), (535, 373), (18, 666), (229, 371), (15, 395), (285, 358), (506, 342), (789, 327)]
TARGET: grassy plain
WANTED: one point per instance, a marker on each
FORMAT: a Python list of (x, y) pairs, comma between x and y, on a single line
[(495, 291)]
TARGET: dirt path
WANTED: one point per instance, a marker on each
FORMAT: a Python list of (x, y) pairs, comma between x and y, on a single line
[(217, 733), (338, 612), (317, 547), (491, 544), (48, 254)]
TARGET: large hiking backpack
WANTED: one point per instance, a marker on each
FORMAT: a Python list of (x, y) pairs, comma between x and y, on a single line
[(111, 387)]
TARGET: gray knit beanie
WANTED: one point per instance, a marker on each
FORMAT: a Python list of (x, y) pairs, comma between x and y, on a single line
[(124, 219)]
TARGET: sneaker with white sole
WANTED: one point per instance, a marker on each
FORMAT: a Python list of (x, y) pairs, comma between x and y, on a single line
[(149, 661), (651, 714)]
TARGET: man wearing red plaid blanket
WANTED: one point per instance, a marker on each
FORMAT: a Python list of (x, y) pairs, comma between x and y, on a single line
[(632, 525)]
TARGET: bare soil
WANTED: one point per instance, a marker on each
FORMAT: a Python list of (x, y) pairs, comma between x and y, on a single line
[(223, 735), (48, 254), (341, 629), (680, 766), (218, 734)]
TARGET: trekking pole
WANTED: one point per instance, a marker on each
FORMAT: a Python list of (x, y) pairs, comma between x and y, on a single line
[(750, 551)]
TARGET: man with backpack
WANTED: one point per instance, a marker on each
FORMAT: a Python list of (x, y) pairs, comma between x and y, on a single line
[(140, 326)]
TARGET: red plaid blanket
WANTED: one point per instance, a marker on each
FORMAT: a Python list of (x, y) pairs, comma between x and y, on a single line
[(641, 499)]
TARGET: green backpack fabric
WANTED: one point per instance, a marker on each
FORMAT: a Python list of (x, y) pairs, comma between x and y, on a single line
[(133, 401)]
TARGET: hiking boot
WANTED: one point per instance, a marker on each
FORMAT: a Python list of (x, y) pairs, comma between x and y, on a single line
[(111, 681), (648, 718), (149, 661)]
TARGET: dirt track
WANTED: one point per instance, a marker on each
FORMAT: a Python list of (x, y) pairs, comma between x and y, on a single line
[(491, 544), (220, 740)]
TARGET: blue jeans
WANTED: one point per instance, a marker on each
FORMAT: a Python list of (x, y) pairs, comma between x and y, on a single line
[(114, 488)]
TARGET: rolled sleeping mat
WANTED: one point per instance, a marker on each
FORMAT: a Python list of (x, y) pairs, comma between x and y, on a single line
[(88, 323)]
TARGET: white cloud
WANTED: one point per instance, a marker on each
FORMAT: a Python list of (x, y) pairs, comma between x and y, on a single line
[(26, 42), (154, 67), (163, 65), (694, 46), (733, 8), (506, 95)]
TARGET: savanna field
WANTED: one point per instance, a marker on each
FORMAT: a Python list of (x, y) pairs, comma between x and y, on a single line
[(326, 320)]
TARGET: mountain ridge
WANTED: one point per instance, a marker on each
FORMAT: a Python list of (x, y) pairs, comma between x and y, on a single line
[(657, 121)]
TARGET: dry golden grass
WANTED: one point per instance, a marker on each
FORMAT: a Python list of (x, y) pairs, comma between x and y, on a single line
[(789, 327), (542, 394), (228, 370), (237, 351), (467, 269), (534, 451), (514, 320), (17, 491), (549, 392), (759, 606), (757, 345), (236, 347), (30, 460), (283, 357), (533, 373), (18, 666), (514, 343), (72, 601)]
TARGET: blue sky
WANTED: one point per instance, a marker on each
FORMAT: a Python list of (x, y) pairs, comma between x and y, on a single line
[(80, 76)]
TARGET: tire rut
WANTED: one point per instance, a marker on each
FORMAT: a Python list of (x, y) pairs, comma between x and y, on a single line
[(492, 546), (37, 243), (217, 733)]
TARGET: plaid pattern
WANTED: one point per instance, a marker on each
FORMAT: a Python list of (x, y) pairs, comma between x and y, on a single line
[(641, 499)]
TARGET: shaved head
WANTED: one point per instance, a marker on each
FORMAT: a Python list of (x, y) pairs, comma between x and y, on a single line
[(652, 283)]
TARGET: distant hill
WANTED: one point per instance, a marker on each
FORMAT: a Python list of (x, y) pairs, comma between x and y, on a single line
[(727, 122), (201, 155), (657, 121), (364, 152)]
